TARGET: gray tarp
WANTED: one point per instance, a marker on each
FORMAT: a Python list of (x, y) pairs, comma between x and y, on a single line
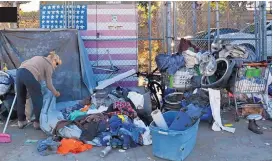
[(74, 78)]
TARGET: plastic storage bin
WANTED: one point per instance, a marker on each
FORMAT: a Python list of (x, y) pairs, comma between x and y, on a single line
[(170, 144)]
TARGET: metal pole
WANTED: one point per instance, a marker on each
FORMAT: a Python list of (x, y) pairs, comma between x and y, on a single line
[(217, 21), (150, 36), (68, 19), (194, 22), (256, 29), (209, 25), (163, 27), (261, 30), (228, 15), (264, 37), (169, 27), (174, 25), (73, 26), (14, 25), (65, 17)]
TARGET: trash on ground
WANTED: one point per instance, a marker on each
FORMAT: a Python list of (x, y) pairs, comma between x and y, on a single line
[(121, 150), (228, 125), (31, 141)]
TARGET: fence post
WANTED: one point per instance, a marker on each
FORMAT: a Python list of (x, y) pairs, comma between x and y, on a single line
[(256, 22), (14, 4), (209, 25), (264, 31), (174, 26), (150, 35), (169, 28), (217, 21), (164, 27)]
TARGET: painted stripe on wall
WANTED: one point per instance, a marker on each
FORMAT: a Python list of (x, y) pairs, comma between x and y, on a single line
[(122, 69), (110, 44), (111, 50), (112, 26), (117, 6), (115, 62), (93, 57), (125, 84), (108, 18), (123, 53), (103, 33), (101, 77), (113, 11), (94, 38)]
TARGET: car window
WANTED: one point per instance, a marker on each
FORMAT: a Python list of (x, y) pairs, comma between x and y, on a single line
[(249, 29), (201, 35)]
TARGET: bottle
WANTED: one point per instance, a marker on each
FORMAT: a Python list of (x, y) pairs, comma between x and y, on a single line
[(105, 151), (5, 68)]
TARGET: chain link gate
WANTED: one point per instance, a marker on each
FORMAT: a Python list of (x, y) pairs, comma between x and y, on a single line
[(158, 27)]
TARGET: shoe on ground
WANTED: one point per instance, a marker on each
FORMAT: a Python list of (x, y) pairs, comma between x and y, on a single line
[(22, 124), (36, 125), (252, 126), (257, 124)]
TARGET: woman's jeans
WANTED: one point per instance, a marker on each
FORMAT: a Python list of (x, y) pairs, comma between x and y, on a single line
[(26, 82)]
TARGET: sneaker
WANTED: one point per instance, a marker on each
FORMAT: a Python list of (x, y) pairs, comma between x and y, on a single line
[(36, 125), (22, 124)]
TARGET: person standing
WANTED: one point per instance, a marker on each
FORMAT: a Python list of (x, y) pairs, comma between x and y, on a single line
[(28, 78)]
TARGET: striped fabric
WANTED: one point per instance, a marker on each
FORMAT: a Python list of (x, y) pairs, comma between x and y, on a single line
[(112, 21)]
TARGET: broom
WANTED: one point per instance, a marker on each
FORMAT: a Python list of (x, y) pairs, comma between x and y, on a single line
[(6, 138)]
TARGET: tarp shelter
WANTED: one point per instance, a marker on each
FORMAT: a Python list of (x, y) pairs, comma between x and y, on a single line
[(74, 78)]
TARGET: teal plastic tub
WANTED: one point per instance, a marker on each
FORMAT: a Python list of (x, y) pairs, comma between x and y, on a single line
[(170, 144)]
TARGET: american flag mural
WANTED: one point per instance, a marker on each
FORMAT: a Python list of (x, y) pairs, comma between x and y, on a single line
[(53, 16), (104, 25)]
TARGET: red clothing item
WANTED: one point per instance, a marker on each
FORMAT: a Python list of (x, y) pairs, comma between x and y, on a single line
[(72, 146)]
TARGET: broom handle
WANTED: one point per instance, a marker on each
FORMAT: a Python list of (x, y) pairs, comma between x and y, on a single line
[(11, 109)]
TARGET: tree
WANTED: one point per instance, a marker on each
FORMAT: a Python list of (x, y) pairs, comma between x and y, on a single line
[(143, 46)]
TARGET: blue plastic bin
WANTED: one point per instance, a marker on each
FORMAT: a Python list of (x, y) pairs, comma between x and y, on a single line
[(170, 144)]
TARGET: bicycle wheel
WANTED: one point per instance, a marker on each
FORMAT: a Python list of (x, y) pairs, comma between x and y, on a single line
[(155, 89)]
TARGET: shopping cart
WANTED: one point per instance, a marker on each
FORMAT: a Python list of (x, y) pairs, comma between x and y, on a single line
[(251, 79)]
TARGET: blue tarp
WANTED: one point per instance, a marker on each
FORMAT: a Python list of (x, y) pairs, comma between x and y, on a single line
[(169, 63)]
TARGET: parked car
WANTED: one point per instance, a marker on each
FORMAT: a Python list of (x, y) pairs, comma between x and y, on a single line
[(249, 32), (204, 35)]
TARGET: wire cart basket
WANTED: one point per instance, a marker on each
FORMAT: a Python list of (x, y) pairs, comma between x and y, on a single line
[(251, 78)]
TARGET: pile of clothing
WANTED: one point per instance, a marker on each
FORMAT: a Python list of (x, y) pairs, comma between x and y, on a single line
[(110, 119)]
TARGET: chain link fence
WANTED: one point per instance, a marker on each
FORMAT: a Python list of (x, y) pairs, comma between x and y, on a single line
[(196, 21)]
